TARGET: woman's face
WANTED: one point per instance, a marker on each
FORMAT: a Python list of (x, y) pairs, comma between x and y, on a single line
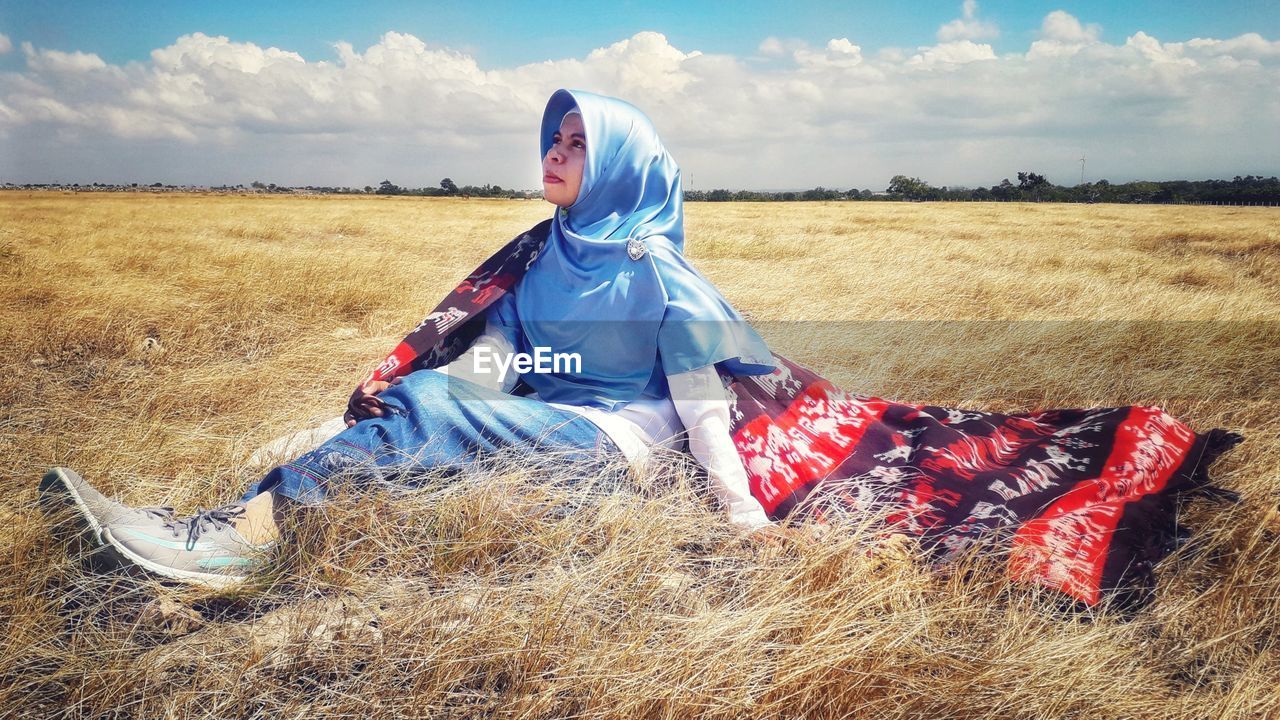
[(562, 166)]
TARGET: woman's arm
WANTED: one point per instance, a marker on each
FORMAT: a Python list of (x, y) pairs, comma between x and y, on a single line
[(365, 403), (704, 409)]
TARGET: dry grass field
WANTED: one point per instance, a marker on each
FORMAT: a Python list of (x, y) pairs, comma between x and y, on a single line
[(153, 341)]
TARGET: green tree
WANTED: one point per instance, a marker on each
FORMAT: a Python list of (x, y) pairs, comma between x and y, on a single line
[(449, 186), (1030, 184), (1003, 191), (909, 188)]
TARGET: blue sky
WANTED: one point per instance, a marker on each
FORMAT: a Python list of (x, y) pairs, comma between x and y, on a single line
[(748, 94), (513, 33), (517, 32)]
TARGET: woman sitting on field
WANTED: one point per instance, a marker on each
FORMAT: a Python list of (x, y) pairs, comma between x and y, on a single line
[(620, 346), (609, 287)]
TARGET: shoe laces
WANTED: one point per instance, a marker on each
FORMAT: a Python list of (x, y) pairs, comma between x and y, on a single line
[(204, 519), (158, 511)]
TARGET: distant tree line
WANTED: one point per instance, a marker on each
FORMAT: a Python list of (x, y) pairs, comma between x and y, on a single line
[(1031, 187), (448, 188), (818, 193)]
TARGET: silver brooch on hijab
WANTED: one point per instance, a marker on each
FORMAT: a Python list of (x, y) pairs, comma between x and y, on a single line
[(636, 248)]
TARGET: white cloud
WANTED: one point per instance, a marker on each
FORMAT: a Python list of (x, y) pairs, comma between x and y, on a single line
[(1156, 52), (1062, 35), (776, 47), (968, 26), (199, 51), (1247, 46), (55, 61), (839, 53), (953, 53), (644, 63), (212, 109), (6, 44), (1060, 26), (772, 47)]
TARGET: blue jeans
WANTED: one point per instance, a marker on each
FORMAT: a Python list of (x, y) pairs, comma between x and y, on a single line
[(438, 422)]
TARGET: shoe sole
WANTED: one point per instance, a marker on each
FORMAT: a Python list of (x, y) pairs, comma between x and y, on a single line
[(58, 491), (188, 576)]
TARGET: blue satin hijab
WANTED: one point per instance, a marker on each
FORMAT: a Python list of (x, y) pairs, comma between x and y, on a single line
[(611, 283)]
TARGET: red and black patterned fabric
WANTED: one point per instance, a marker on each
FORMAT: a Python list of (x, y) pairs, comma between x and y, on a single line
[(1084, 501), (450, 329)]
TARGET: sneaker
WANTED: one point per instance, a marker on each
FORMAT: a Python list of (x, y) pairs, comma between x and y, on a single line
[(204, 549), (63, 487)]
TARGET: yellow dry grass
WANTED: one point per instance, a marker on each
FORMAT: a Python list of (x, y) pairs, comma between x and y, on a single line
[(152, 341)]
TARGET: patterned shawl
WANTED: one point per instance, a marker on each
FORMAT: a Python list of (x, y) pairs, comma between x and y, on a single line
[(1084, 500)]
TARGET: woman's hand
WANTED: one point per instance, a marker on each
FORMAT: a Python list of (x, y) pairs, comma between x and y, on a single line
[(364, 402), (775, 536)]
